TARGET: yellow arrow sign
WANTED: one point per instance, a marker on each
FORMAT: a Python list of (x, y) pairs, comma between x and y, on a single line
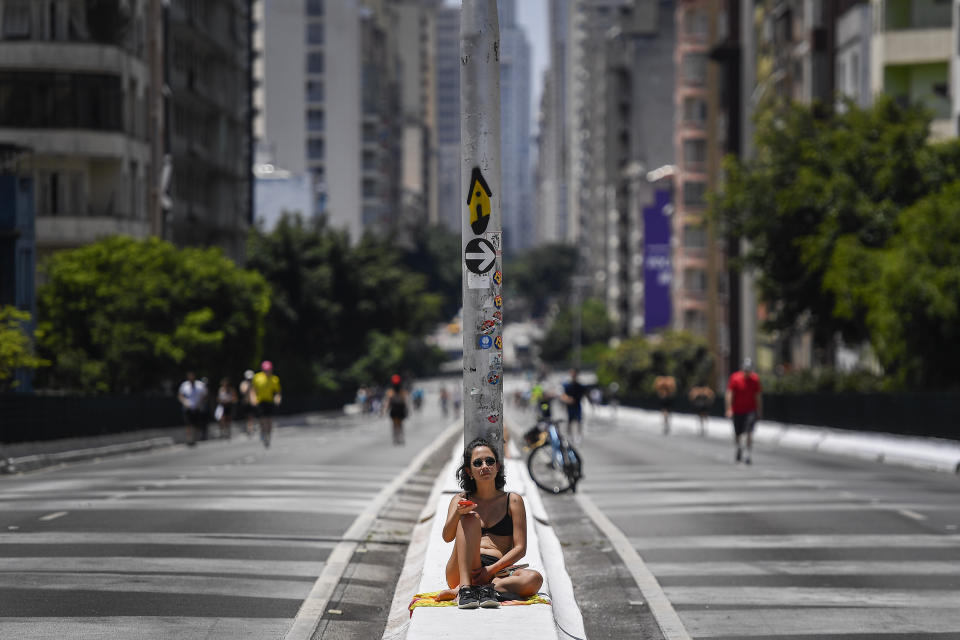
[(478, 202)]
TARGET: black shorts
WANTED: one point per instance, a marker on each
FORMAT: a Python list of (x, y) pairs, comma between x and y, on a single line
[(265, 409), (487, 560), (744, 422), (195, 417), (666, 403)]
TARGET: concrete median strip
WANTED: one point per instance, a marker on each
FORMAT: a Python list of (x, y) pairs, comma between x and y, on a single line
[(426, 560)]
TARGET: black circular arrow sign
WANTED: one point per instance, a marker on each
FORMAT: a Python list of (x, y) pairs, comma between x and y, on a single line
[(479, 256)]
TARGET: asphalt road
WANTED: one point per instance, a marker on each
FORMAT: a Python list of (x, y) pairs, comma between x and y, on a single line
[(224, 540), (797, 546)]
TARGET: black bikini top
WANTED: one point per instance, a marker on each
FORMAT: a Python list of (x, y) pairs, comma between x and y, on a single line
[(504, 527)]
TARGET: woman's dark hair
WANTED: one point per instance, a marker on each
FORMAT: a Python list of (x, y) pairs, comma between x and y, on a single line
[(468, 484)]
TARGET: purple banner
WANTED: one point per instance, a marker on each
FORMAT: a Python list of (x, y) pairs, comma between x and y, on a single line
[(657, 269)]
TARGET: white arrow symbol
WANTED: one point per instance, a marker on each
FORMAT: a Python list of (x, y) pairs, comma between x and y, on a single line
[(485, 258)]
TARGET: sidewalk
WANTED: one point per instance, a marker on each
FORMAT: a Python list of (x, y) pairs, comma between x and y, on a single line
[(910, 451), (427, 557)]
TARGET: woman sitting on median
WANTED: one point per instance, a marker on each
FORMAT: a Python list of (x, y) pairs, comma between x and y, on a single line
[(489, 527)]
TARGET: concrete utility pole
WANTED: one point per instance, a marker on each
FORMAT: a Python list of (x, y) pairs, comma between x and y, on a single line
[(481, 226)]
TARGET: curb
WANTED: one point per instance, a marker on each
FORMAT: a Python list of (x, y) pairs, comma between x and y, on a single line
[(41, 460)]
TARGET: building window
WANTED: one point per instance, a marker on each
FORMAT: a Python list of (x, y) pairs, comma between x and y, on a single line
[(696, 24), (16, 19), (694, 236), (315, 119), (315, 148), (315, 91), (61, 101), (695, 320), (695, 280), (315, 33), (694, 194), (695, 69), (695, 153), (314, 7), (694, 111), (315, 62)]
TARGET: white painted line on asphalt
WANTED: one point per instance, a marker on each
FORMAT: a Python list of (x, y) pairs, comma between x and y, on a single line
[(315, 605), (913, 514), (52, 516), (660, 606)]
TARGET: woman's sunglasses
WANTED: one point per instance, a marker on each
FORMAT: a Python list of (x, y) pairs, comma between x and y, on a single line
[(480, 461)]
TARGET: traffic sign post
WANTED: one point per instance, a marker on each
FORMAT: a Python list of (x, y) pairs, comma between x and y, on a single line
[(481, 222)]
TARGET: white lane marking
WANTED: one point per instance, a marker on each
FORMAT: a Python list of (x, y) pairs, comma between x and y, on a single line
[(663, 611), (912, 514), (52, 516), (315, 605), (801, 568), (849, 541), (731, 595)]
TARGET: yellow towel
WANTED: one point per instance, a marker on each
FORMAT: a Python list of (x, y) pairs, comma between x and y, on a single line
[(430, 600)]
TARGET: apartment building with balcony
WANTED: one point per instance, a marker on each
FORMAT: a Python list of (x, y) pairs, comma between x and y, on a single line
[(912, 50), (74, 85)]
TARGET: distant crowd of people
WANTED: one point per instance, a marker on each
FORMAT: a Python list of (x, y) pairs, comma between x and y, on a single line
[(256, 397)]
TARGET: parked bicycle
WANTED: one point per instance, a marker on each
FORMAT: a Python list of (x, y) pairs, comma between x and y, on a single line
[(554, 464)]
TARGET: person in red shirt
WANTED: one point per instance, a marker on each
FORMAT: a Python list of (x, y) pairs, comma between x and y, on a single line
[(744, 404)]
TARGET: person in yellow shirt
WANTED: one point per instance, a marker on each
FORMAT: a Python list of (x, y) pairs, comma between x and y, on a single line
[(266, 388)]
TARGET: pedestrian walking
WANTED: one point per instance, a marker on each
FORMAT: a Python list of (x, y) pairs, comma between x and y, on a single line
[(266, 388), (572, 397), (226, 401), (702, 397), (192, 395), (665, 387), (744, 404), (444, 401), (248, 401), (395, 402)]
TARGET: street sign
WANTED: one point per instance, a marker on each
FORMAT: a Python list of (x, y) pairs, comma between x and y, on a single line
[(479, 255)]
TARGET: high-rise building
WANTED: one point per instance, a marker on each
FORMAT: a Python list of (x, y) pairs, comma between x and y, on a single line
[(447, 65), (209, 114), (129, 109), (551, 184), (620, 118), (329, 105), (516, 182), (74, 80)]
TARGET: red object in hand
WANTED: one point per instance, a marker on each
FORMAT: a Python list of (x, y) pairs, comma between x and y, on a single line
[(467, 503)]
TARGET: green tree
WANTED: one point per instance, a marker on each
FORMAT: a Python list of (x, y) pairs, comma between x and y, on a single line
[(821, 179), (436, 255), (16, 345), (330, 298), (635, 362), (910, 291), (124, 315), (595, 329), (535, 277)]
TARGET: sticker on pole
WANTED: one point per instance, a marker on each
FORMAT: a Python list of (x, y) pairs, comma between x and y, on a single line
[(484, 342), (479, 256), (478, 281), (478, 202), (493, 377)]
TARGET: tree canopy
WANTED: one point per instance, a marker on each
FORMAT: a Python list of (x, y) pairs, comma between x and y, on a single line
[(636, 362), (341, 314), (819, 176), (16, 345), (535, 277), (127, 315), (848, 216)]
